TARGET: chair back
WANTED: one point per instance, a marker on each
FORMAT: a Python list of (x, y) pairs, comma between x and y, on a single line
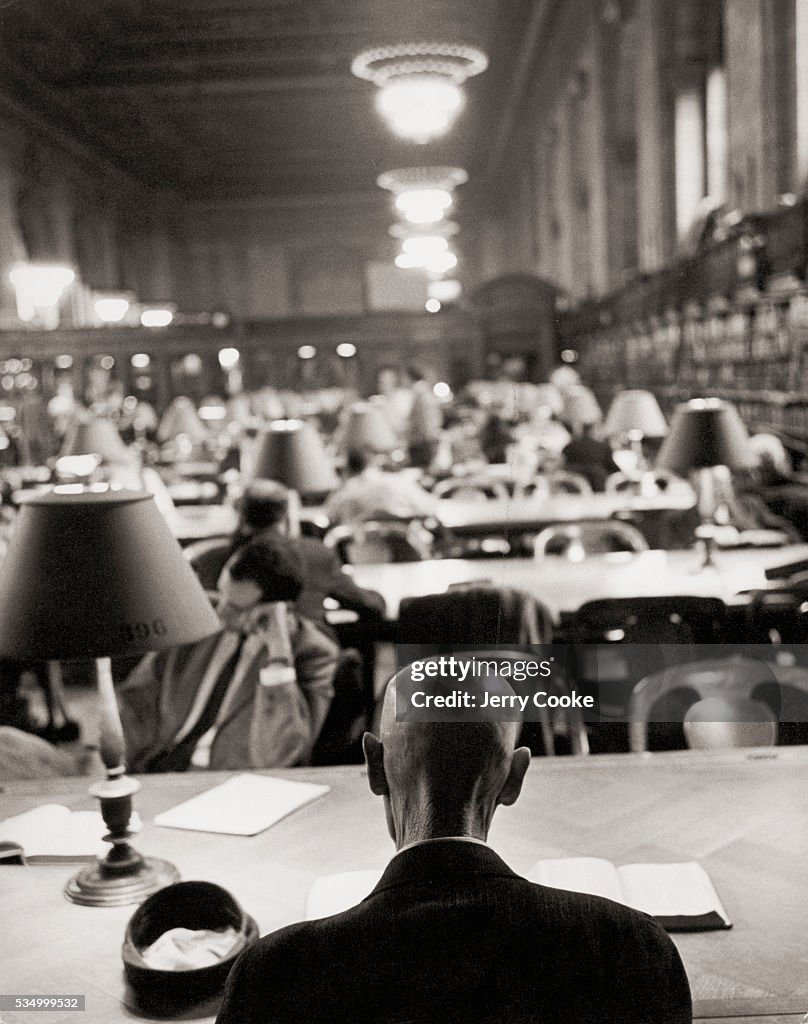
[(650, 620), (719, 722), (577, 540), (725, 679), (474, 614), (619, 482), (372, 542), (563, 482), (476, 488), (207, 558)]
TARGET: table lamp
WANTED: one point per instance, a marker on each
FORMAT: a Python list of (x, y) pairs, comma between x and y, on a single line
[(291, 453), (634, 415), (581, 408), (94, 435), (180, 422), (705, 433), (368, 430), (96, 574)]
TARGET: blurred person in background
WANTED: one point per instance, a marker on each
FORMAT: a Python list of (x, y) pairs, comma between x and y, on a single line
[(369, 492), (425, 423)]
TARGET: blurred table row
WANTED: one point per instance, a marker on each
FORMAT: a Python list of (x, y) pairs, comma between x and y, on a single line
[(563, 585)]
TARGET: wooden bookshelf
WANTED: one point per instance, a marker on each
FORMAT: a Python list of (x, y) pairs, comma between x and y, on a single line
[(731, 322)]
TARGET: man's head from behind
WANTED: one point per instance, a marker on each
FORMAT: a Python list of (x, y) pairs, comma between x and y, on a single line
[(264, 506), (442, 778)]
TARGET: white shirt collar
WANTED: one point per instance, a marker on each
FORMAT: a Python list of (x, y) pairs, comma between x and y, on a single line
[(441, 839)]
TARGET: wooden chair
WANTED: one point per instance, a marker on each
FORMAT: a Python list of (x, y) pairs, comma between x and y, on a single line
[(719, 722), (477, 488), (563, 482), (373, 542), (207, 558), (725, 679), (577, 540), (470, 616)]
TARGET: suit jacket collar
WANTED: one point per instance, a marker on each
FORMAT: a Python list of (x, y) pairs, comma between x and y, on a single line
[(441, 862)]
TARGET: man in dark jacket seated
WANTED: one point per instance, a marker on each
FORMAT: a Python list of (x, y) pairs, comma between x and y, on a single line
[(590, 457), (450, 933), (264, 511)]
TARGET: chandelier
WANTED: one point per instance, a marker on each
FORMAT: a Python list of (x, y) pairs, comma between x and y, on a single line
[(423, 195), (426, 250), (419, 84)]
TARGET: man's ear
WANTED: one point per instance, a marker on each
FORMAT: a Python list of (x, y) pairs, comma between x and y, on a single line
[(520, 761), (374, 759)]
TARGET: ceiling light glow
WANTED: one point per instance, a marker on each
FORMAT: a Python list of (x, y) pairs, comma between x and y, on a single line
[(158, 316), (420, 84)]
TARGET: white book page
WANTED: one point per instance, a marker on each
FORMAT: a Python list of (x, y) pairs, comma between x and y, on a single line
[(331, 894), (670, 890), (591, 875), (53, 831), (243, 806)]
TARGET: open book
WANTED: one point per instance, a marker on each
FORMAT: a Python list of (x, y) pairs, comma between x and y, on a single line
[(53, 833), (243, 806), (680, 896)]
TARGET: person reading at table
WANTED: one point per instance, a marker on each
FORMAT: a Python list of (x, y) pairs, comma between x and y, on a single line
[(255, 695), (451, 933)]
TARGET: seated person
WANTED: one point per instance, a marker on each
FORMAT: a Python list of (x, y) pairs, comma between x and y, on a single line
[(371, 493), (496, 436), (451, 933), (592, 458), (265, 513), (255, 695)]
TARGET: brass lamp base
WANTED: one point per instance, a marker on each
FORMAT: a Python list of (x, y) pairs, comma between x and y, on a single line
[(96, 886), (124, 875)]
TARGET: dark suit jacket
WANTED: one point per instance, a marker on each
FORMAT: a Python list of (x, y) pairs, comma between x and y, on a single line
[(323, 578), (449, 934)]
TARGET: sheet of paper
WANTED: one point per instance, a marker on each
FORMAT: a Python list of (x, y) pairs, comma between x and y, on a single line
[(331, 894), (243, 806), (670, 890), (591, 875)]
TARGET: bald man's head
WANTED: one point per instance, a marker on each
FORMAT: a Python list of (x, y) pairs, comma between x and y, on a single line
[(443, 777)]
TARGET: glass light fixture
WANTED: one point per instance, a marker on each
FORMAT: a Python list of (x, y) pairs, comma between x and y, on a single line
[(156, 316), (228, 357), (346, 350), (436, 263), (423, 194), (432, 306), (444, 291), (111, 309), (420, 84), (38, 288), (424, 246), (307, 352)]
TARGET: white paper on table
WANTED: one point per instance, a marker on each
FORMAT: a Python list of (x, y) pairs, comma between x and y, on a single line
[(243, 806)]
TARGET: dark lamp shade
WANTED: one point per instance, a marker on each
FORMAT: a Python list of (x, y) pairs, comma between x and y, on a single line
[(96, 436), (368, 429), (705, 432), (94, 574), (292, 453), (635, 410)]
